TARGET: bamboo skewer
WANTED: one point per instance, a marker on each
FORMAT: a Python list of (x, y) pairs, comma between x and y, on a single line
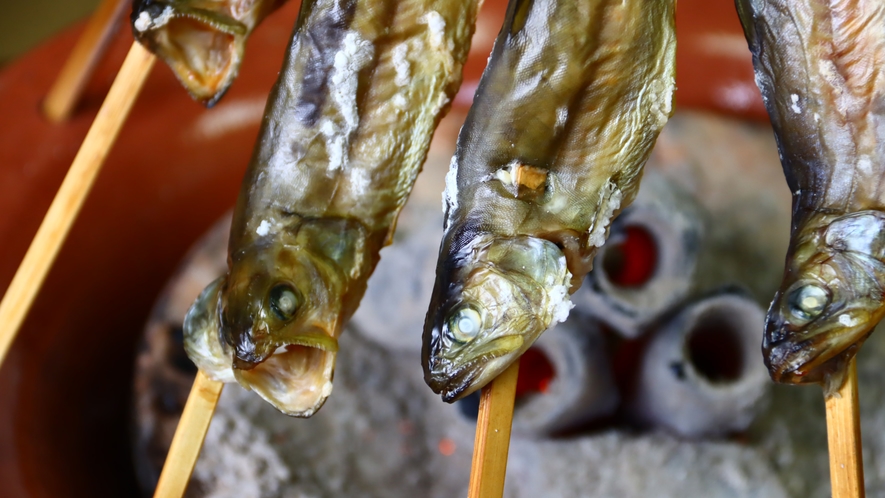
[(188, 438), (73, 191), (66, 91), (492, 442), (843, 436)]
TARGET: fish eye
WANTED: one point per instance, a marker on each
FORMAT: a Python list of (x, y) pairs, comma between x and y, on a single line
[(464, 324), (284, 301), (808, 301)]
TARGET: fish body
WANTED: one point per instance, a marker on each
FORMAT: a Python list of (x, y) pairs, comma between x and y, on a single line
[(202, 41), (819, 66), (565, 116), (345, 132)]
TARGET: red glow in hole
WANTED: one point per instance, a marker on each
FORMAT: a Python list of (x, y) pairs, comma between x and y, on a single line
[(631, 260), (535, 373)]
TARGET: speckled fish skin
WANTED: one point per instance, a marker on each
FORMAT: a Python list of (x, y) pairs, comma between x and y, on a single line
[(566, 114), (345, 133), (819, 65), (202, 41)]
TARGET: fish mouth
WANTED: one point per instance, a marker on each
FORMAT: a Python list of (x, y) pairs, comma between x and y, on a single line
[(202, 47), (297, 377), (814, 359), (453, 379), (312, 337)]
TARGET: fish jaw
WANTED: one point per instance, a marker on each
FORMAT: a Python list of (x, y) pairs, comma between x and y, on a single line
[(296, 380), (800, 359), (509, 290), (203, 46), (296, 376), (304, 337), (202, 342), (289, 364), (454, 380)]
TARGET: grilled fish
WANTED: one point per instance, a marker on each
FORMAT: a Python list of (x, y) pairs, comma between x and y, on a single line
[(346, 130), (564, 119), (819, 66), (202, 41)]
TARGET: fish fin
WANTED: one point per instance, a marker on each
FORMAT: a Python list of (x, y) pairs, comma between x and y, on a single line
[(745, 13), (340, 240), (835, 371), (517, 14), (390, 231), (202, 341)]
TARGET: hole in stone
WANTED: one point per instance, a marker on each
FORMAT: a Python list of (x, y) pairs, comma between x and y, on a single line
[(714, 348), (630, 259)]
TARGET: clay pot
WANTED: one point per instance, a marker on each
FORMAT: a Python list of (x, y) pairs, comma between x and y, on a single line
[(65, 388)]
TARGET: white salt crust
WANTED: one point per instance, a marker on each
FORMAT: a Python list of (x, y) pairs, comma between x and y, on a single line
[(355, 54), (560, 303), (610, 202), (437, 26), (263, 229), (558, 296), (146, 22), (450, 194), (401, 64)]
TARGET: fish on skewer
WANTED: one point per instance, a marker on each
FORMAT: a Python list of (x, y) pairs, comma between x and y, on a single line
[(819, 66), (564, 119), (202, 41), (347, 127)]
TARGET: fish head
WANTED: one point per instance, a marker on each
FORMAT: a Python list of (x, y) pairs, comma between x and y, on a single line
[(830, 299), (493, 298), (202, 42), (282, 307)]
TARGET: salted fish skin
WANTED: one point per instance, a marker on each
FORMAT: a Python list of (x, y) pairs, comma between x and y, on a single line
[(345, 133), (565, 116), (818, 66)]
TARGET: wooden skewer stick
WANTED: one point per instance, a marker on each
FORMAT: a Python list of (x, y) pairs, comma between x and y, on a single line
[(66, 91), (493, 435), (843, 435), (73, 191), (188, 438)]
